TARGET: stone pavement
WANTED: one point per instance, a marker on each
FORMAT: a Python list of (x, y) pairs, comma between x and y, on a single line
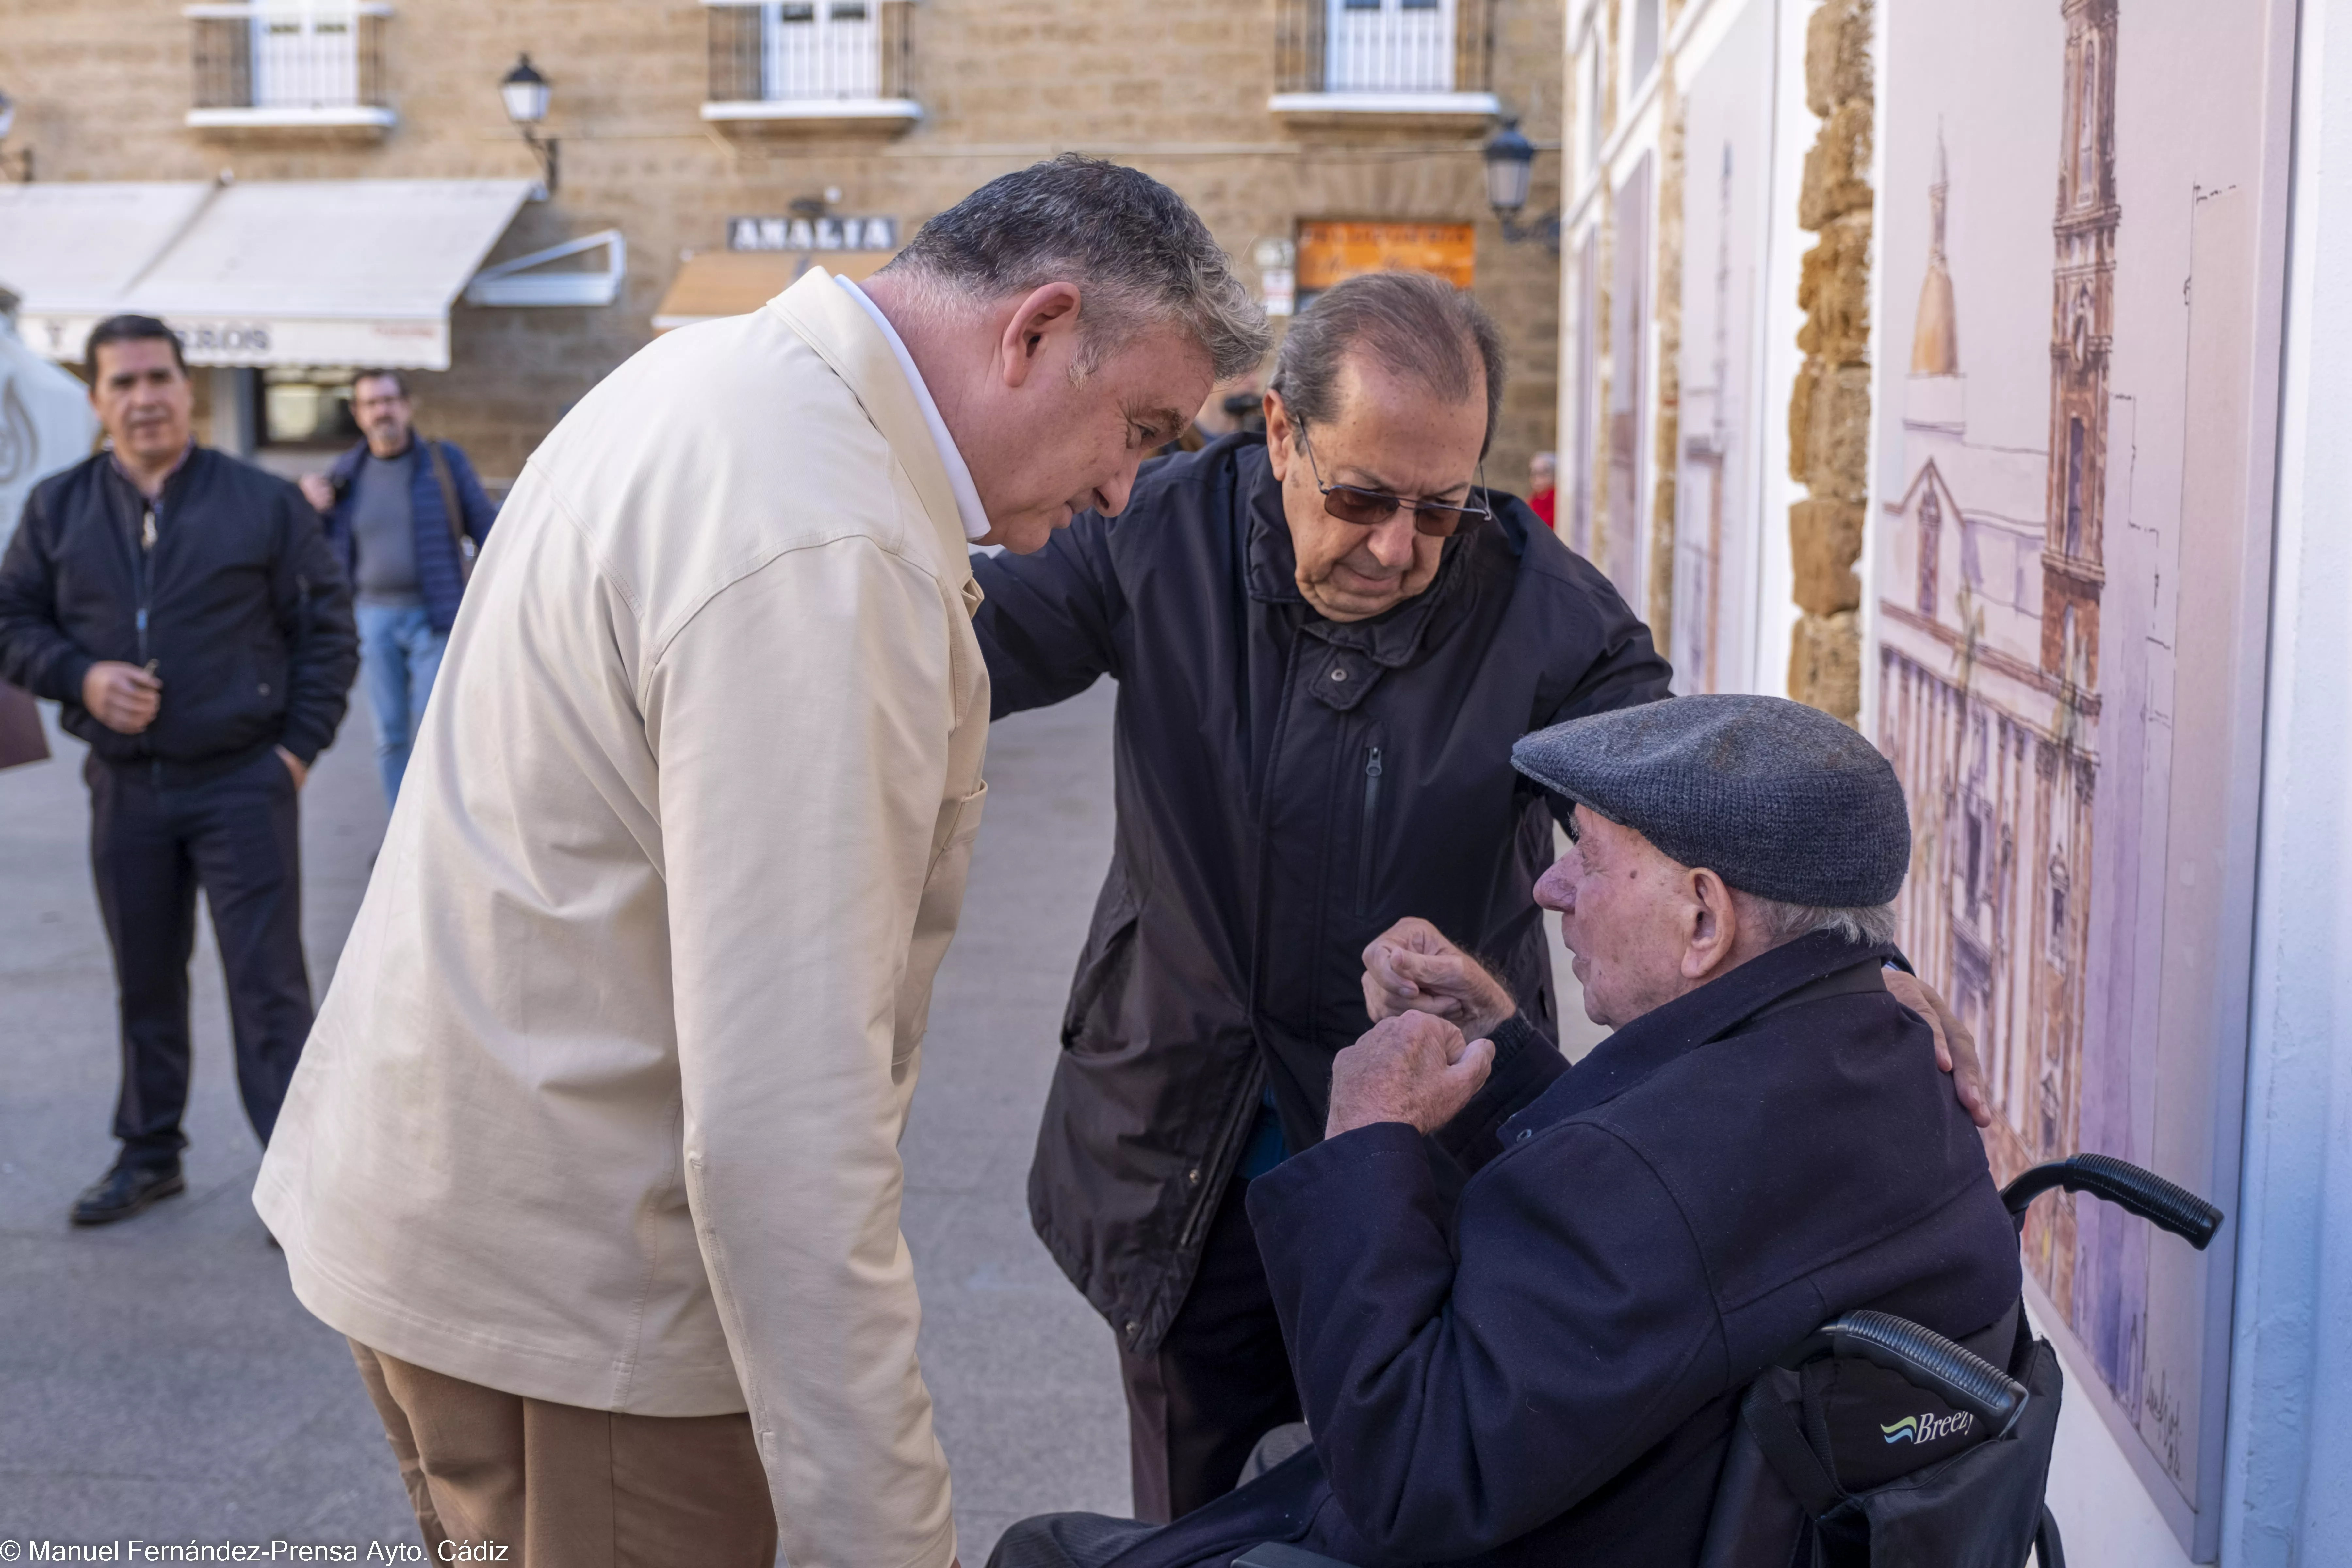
[(158, 1379)]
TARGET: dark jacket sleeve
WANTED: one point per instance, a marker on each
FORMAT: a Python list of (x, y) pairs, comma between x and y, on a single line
[(1629, 672), (35, 652), (313, 602), (1047, 622), (1455, 1407), (1527, 1063), (472, 499)]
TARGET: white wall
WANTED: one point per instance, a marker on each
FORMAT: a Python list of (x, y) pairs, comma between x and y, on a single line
[(2288, 1496), (1793, 132), (2106, 1518)]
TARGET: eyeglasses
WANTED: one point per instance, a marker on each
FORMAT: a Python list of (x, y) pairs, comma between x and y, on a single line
[(1369, 509)]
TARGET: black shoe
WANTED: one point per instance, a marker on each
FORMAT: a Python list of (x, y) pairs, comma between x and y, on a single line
[(125, 1191)]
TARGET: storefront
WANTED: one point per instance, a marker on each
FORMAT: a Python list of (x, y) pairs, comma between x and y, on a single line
[(283, 289)]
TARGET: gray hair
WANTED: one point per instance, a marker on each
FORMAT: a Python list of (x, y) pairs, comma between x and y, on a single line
[(1137, 254), (1787, 922), (1419, 328)]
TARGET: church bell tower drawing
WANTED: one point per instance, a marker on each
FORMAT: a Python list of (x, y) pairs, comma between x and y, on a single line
[(2082, 337)]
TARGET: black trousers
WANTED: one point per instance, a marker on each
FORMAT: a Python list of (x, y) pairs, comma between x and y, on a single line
[(151, 846), (1219, 1380)]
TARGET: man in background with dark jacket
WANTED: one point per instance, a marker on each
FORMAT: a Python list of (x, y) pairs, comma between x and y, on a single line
[(406, 517), (1327, 638), (185, 610)]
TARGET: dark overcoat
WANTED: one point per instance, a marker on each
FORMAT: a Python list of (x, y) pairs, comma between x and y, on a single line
[(1548, 1372), (1288, 787)]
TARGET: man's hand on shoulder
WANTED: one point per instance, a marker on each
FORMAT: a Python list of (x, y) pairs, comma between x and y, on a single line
[(1410, 967), (1412, 1069), (1955, 1048), (319, 491), (122, 697)]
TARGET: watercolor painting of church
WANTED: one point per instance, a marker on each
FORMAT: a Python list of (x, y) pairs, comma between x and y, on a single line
[(1990, 705)]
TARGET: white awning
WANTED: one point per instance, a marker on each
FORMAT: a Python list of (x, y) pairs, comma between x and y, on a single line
[(354, 272), (79, 246)]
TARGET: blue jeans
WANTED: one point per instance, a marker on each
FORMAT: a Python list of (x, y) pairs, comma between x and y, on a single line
[(400, 653)]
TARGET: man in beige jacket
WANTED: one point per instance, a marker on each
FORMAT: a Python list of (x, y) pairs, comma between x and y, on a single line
[(594, 1152)]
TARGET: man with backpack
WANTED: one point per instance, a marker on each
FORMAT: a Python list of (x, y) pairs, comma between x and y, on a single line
[(408, 516)]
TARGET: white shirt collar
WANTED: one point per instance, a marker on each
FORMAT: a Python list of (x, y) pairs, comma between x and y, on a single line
[(967, 499)]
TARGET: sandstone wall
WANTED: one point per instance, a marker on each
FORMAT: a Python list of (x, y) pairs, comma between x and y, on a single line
[(1666, 449), (1180, 91), (1829, 409)]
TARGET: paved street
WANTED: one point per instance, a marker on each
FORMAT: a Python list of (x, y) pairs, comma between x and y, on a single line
[(158, 1378)]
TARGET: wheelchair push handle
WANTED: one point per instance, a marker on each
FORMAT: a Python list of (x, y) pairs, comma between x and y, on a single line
[(1964, 1380), (2144, 1193)]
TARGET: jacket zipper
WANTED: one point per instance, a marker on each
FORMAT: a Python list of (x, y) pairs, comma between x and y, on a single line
[(146, 549), (140, 564), (1223, 1154), (1371, 816)]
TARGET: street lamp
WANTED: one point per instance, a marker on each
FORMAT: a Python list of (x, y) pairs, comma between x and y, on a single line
[(1510, 170), (23, 159), (526, 93)]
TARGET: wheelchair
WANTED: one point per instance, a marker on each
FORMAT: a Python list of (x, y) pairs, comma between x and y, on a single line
[(1812, 1476)]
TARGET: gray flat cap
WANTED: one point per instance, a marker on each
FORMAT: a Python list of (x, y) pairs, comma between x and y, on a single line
[(1777, 799)]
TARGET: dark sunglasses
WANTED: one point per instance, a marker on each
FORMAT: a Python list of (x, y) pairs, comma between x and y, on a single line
[(1369, 509)]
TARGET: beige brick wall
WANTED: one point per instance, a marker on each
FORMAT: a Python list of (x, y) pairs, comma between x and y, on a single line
[(1179, 91), (1829, 409)]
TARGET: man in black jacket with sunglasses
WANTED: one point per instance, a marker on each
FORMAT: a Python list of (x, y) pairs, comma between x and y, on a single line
[(1327, 640)]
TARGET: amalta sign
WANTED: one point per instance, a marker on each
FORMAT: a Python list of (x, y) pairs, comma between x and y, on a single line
[(813, 233)]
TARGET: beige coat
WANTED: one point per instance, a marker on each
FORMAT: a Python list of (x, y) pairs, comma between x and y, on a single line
[(604, 1105)]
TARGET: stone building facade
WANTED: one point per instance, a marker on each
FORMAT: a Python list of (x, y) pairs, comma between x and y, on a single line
[(1264, 116)]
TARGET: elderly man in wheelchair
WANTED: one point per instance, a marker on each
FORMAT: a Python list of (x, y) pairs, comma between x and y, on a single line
[(1557, 1336)]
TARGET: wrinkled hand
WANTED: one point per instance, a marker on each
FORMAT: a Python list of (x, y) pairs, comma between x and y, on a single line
[(1410, 967), (1955, 1048), (319, 491), (294, 765), (122, 697), (1412, 1069)]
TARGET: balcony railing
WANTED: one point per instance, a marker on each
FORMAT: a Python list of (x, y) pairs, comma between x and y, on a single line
[(1383, 49), (289, 63), (816, 59)]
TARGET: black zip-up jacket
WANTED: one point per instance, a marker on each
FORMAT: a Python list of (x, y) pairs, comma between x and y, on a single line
[(1288, 787), (239, 603)]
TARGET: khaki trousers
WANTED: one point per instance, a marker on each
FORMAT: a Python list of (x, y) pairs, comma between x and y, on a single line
[(563, 1487)]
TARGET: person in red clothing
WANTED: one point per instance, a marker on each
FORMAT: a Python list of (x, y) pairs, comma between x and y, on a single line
[(1542, 469)]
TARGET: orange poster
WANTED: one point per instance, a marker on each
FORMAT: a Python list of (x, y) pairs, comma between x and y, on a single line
[(1330, 253)]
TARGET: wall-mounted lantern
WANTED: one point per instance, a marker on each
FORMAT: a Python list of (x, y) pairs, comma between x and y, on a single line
[(1510, 172), (526, 94)]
